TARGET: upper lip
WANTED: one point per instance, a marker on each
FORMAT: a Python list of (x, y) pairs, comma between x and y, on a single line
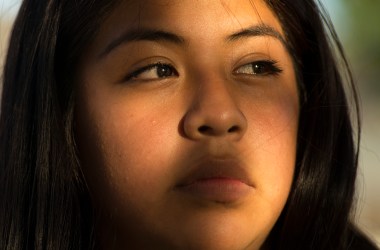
[(216, 167)]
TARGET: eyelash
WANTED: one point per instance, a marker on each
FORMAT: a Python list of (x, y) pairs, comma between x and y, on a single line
[(135, 74), (267, 68)]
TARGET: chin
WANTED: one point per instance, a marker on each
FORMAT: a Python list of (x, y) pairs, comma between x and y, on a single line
[(220, 235), (218, 242)]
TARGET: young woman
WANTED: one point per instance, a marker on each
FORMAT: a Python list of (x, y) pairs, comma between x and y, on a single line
[(176, 125)]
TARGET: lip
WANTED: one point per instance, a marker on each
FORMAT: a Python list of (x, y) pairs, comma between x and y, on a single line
[(218, 180)]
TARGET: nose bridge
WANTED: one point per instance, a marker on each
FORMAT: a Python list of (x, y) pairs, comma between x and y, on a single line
[(214, 97), (214, 111)]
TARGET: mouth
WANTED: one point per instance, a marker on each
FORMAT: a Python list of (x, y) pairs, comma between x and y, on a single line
[(217, 180)]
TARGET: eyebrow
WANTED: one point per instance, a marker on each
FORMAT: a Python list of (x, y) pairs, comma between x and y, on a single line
[(257, 30), (143, 35), (156, 35)]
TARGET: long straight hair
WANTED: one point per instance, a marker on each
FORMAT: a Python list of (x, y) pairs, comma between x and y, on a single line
[(317, 214), (44, 199)]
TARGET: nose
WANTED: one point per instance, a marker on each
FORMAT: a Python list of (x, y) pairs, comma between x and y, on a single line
[(214, 113)]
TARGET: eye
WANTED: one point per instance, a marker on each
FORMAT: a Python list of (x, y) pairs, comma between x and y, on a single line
[(260, 68), (153, 72)]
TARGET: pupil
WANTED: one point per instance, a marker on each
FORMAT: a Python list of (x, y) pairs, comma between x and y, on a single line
[(164, 71), (259, 68)]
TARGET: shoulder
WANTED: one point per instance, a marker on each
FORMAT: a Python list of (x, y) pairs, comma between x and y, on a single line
[(359, 241)]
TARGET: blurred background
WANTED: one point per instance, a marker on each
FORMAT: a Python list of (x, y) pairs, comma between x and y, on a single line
[(356, 23)]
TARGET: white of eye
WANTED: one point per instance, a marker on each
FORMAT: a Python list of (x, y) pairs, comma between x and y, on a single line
[(154, 71), (259, 68)]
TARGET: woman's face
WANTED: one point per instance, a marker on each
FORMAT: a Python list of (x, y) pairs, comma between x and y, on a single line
[(187, 115)]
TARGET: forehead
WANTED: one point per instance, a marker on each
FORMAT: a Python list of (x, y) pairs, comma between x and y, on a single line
[(196, 19)]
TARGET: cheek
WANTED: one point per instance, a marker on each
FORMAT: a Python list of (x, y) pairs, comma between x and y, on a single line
[(272, 134), (126, 150)]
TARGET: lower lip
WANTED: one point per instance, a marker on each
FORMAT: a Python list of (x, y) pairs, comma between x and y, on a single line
[(223, 190)]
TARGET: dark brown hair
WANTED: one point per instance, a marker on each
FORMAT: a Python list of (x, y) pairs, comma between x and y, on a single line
[(44, 202)]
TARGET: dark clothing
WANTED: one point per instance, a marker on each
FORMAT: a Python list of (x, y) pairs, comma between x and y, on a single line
[(361, 242)]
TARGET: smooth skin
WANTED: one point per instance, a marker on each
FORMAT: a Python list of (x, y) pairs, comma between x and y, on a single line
[(170, 92)]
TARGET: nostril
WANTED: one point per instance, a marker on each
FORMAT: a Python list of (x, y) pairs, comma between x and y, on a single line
[(204, 129), (233, 129), (207, 130)]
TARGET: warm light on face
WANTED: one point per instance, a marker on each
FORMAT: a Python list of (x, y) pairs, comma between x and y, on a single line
[(187, 119)]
